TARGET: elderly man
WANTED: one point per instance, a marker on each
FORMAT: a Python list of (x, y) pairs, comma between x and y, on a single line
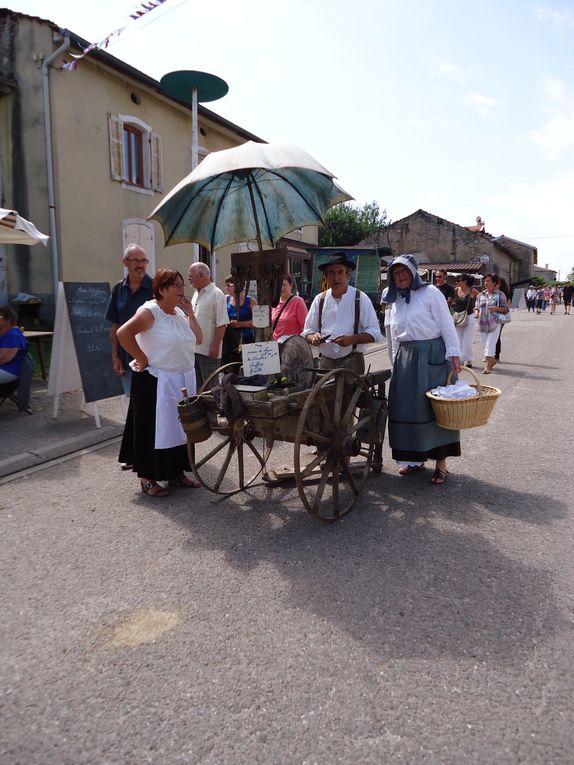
[(210, 309), (127, 296), (342, 320)]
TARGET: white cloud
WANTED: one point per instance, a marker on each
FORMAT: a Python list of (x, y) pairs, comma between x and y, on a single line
[(447, 71), (554, 89), (553, 16), (484, 105), (557, 135)]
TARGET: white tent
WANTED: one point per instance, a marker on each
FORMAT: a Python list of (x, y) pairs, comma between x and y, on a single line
[(17, 230)]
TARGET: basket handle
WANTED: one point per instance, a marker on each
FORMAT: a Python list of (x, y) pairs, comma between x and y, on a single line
[(471, 373)]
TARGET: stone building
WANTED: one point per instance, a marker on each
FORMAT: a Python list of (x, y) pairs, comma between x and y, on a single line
[(441, 243)]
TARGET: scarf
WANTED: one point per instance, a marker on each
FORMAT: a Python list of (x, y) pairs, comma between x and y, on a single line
[(393, 292)]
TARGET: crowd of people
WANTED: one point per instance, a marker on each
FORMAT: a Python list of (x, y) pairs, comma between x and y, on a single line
[(539, 297), (163, 341)]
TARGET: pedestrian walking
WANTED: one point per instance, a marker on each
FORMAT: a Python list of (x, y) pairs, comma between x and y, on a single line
[(489, 303), (567, 293), (464, 298), (442, 284), (505, 289), (531, 298)]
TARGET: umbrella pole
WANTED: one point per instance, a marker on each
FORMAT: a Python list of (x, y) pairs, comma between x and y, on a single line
[(255, 218)]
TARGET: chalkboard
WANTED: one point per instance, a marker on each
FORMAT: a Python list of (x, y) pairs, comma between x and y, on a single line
[(86, 303)]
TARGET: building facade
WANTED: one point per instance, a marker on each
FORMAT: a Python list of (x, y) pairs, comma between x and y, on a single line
[(87, 155)]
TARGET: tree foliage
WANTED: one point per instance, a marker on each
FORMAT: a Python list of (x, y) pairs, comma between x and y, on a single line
[(348, 224), (570, 277)]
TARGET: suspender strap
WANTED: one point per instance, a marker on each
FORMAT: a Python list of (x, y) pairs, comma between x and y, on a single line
[(357, 312), (321, 304)]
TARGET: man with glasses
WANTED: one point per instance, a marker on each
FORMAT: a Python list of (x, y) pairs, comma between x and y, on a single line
[(446, 288), (127, 296)]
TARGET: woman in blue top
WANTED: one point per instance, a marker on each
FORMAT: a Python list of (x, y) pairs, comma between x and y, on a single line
[(12, 346), (240, 329)]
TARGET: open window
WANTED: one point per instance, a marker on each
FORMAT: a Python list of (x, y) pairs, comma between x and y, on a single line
[(136, 154)]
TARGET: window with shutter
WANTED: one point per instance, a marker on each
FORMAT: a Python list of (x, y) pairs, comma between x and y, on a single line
[(136, 154)]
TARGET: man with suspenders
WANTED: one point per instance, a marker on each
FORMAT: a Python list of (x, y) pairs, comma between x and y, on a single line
[(342, 320)]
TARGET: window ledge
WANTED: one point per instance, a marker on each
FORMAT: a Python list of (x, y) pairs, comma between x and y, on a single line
[(138, 189)]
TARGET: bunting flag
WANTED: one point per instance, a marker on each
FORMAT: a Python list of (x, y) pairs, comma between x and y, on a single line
[(140, 11)]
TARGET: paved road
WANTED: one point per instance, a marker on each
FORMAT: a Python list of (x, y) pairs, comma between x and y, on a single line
[(432, 625)]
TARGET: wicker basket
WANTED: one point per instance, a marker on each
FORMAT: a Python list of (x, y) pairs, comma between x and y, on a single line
[(462, 413)]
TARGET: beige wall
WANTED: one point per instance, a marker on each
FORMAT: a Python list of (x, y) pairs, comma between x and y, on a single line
[(90, 206)]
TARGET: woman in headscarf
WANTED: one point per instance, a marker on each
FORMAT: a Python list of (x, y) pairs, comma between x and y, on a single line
[(425, 347)]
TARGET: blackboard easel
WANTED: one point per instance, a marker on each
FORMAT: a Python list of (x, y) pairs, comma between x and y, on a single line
[(81, 350)]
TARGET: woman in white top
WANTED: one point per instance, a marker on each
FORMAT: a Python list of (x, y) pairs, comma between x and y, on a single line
[(425, 346), (161, 338)]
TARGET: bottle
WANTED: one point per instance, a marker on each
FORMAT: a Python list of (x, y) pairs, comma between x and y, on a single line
[(184, 396)]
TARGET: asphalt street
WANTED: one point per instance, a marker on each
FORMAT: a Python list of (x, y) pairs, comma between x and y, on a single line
[(431, 625)]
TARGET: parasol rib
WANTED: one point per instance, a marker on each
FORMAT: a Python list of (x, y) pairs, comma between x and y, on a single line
[(262, 201), (313, 209), (219, 206)]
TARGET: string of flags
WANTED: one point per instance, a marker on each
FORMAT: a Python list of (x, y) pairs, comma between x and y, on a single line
[(140, 11)]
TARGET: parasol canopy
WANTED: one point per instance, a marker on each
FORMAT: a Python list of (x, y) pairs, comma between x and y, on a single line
[(17, 230), (256, 191)]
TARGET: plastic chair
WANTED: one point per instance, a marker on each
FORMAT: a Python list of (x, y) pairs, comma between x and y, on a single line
[(19, 390)]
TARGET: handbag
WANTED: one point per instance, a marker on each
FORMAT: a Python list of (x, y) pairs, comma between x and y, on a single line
[(460, 318), (503, 318)]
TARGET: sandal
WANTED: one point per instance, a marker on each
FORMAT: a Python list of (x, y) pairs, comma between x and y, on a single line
[(486, 371), (154, 489), (438, 477), (184, 482), (410, 469)]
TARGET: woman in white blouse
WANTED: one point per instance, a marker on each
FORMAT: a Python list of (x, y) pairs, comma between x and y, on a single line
[(161, 338), (425, 346)]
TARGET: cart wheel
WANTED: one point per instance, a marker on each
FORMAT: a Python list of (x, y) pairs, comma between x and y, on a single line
[(213, 375), (330, 481), (231, 459)]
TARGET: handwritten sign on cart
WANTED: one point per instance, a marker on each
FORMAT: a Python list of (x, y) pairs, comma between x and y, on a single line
[(260, 316), (261, 358)]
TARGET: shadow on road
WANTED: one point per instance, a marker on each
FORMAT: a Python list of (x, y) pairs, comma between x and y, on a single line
[(413, 572)]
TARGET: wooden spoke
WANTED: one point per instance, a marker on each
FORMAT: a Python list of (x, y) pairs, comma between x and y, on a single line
[(334, 398), (213, 452), (224, 467), (351, 406)]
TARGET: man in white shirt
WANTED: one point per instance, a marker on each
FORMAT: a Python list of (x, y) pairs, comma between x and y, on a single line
[(210, 309), (342, 320)]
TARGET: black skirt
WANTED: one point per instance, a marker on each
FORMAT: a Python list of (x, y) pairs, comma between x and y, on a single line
[(138, 442)]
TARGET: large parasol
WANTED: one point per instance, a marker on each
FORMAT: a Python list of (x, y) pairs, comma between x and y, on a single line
[(256, 191)]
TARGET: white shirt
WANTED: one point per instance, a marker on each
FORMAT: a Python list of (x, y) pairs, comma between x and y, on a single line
[(338, 318), (210, 310), (426, 316), (169, 343)]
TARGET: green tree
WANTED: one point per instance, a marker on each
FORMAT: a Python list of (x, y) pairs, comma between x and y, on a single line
[(570, 277), (347, 224)]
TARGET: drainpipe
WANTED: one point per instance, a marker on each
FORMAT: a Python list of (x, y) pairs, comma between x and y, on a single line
[(49, 162)]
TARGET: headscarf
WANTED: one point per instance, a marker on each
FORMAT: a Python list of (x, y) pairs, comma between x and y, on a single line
[(393, 292)]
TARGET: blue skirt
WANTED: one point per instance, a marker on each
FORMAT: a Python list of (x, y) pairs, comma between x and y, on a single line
[(414, 435)]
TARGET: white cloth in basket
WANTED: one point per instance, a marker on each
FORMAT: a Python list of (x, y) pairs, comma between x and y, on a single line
[(459, 389)]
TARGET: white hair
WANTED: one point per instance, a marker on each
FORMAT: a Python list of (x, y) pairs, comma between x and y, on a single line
[(131, 247), (203, 268)]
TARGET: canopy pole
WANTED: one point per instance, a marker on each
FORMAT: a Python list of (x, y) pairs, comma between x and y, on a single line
[(194, 152)]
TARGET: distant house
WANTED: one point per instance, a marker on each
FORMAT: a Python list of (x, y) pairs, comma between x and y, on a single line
[(439, 243), (545, 273), (89, 168)]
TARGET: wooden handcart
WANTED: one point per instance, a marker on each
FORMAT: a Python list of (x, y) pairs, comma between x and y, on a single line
[(336, 425)]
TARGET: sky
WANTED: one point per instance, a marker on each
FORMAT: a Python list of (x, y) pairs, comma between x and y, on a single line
[(460, 108)]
